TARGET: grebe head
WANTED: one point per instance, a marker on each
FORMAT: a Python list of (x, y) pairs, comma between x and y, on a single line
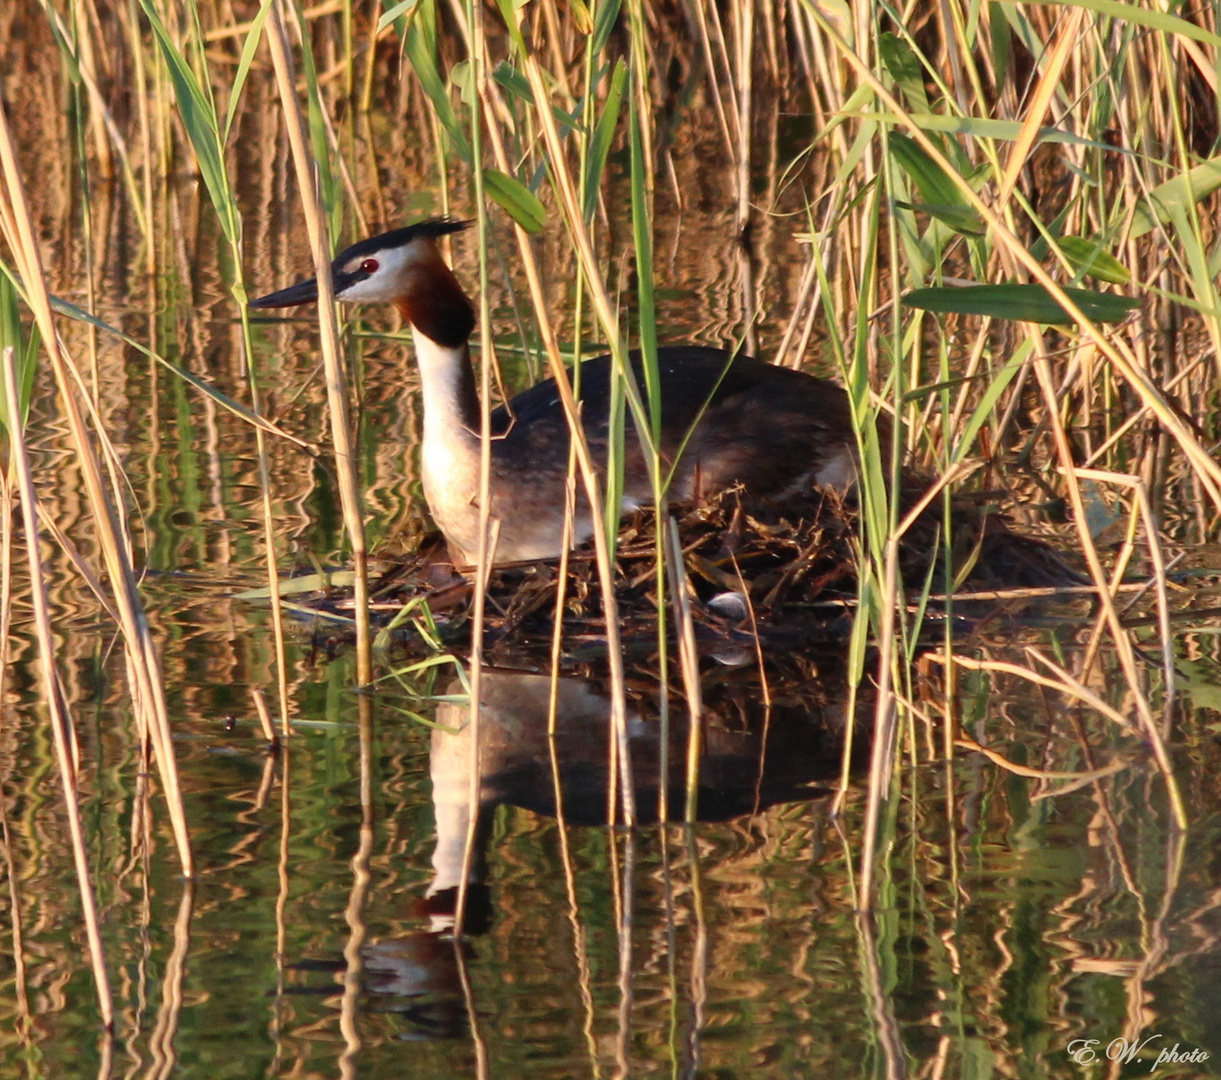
[(402, 267)]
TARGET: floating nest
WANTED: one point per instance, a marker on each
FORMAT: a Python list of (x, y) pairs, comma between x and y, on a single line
[(780, 578)]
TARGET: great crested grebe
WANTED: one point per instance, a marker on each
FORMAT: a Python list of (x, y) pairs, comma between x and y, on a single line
[(726, 419)]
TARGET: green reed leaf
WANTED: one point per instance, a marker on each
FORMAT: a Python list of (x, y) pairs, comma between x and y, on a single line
[(65, 307), (396, 12), (518, 85), (905, 68), (994, 387), (420, 50), (25, 351), (249, 47), (306, 583), (978, 127), (1152, 18), (1021, 303), (1000, 43), (518, 201), (508, 12), (962, 219), (646, 301), (581, 16), (940, 196), (462, 76), (199, 119), (329, 185), (1090, 257), (604, 134), (1177, 193), (514, 81), (604, 23)]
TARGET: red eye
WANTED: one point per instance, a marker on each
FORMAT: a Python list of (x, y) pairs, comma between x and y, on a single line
[(369, 266)]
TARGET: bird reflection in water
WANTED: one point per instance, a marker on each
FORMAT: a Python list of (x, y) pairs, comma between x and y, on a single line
[(751, 758)]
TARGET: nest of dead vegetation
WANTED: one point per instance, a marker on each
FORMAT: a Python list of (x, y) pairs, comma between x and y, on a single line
[(781, 578)]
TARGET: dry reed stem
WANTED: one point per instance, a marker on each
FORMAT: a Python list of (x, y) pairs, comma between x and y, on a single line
[(338, 159), (689, 667), (1045, 89), (882, 750), (283, 888), (267, 779), (1155, 940), (559, 372), (1122, 641), (1157, 580), (86, 62), (241, 29), (7, 519), (714, 84), (887, 1034), (8, 506), (165, 1031), (488, 540), (268, 515), (1040, 102), (20, 990), (143, 665), (1151, 732), (638, 39), (557, 619), (1065, 683), (260, 708), (744, 34), (579, 944), (881, 760), (461, 961), (97, 101), (336, 381), (623, 937), (765, 696), (52, 696), (354, 911), (701, 946), (1206, 468), (1026, 771), (489, 527), (82, 567), (580, 947)]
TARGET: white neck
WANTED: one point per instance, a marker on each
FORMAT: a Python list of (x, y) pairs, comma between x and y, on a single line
[(449, 457), (446, 381)]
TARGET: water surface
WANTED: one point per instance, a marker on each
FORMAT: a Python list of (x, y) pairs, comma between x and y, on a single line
[(315, 940)]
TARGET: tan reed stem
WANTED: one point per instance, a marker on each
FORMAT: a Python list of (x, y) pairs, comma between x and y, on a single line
[(336, 381)]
